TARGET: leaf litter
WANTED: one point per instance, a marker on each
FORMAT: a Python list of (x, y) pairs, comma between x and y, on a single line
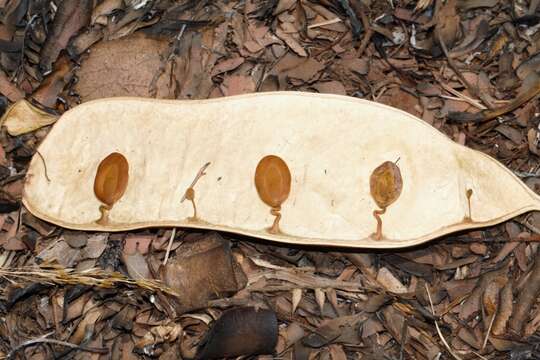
[(469, 68)]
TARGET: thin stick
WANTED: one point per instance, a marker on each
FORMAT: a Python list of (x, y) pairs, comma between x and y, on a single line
[(461, 96), (437, 325), (323, 23), (488, 331), (464, 81), (368, 33), (43, 339), (169, 246)]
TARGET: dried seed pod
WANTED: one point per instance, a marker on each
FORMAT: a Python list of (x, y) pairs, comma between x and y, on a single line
[(273, 183), (385, 185), (326, 206), (111, 182)]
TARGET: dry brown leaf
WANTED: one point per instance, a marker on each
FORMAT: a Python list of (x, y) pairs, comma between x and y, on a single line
[(50, 88), (125, 67), (140, 243), (104, 9), (72, 15), (343, 329), (136, 266), (504, 311), (447, 24), (191, 276), (284, 5), (227, 65), (237, 85), (240, 331), (330, 87), (307, 71), (291, 42), (356, 65), (390, 282), (337, 353), (9, 89)]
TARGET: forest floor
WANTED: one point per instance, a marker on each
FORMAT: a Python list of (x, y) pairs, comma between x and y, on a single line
[(468, 68)]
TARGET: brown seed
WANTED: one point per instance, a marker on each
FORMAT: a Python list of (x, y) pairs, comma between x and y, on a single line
[(385, 184), (273, 180), (111, 179)]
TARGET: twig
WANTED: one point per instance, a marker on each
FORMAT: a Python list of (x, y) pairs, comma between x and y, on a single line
[(460, 95), (173, 234), (323, 23), (368, 32), (488, 331), (487, 115), (43, 339), (472, 89), (437, 325)]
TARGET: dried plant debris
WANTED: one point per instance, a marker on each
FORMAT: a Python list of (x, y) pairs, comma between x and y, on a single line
[(240, 331), (469, 69), (204, 269)]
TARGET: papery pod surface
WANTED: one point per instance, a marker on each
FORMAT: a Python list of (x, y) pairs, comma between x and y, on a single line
[(331, 145)]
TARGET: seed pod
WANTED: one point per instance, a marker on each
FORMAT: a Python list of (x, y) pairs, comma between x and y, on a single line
[(273, 180), (111, 179), (385, 184)]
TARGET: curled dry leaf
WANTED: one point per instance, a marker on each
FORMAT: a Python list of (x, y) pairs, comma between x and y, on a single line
[(447, 187), (111, 182), (23, 117), (195, 281)]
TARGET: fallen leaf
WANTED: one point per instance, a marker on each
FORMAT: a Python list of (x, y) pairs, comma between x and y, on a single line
[(71, 16), (50, 88), (356, 65), (307, 71), (125, 67), (227, 65), (136, 266), (140, 243), (511, 133), (342, 329), (330, 87), (240, 331), (238, 84), (23, 117), (8, 89), (390, 282), (191, 276), (291, 42), (447, 24), (61, 253)]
